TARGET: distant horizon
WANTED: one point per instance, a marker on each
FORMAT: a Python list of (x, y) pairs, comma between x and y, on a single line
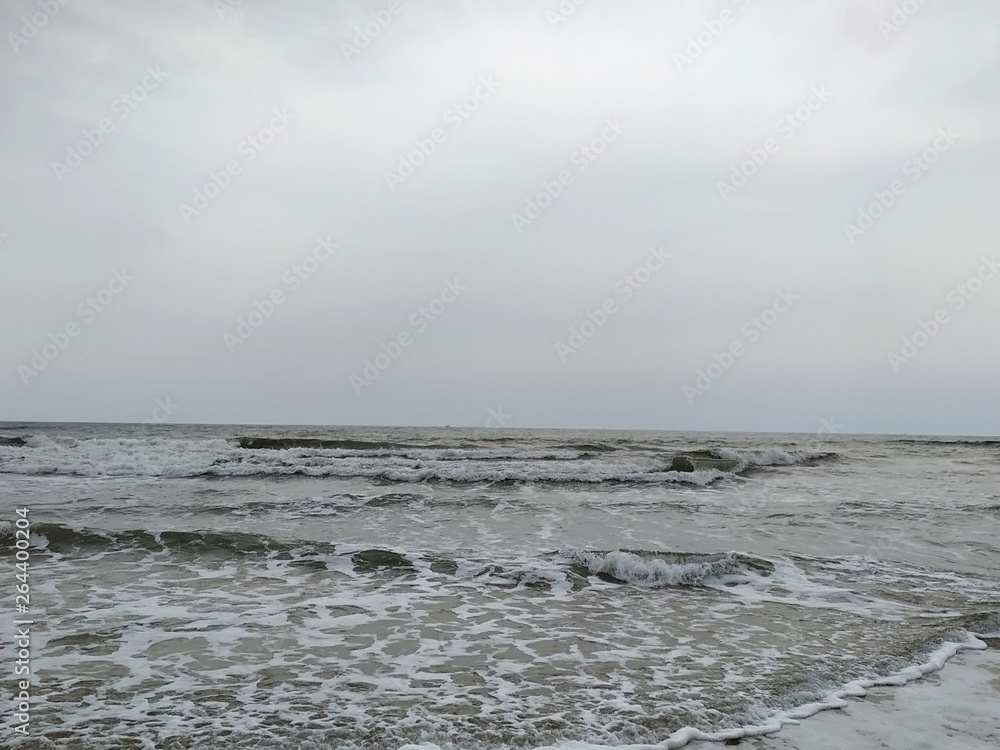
[(504, 428)]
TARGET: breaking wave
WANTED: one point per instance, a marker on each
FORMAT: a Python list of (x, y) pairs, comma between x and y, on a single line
[(661, 569), (640, 568), (484, 461)]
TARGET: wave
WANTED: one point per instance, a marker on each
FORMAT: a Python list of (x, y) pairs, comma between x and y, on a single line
[(639, 568), (664, 569), (775, 456), (345, 448), (58, 539), (590, 447), (64, 540), (284, 444), (972, 442), (571, 571), (11, 441), (463, 462)]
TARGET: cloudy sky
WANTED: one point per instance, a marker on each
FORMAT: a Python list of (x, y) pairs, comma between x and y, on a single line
[(702, 214)]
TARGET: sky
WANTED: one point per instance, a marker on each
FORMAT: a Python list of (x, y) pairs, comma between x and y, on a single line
[(695, 215)]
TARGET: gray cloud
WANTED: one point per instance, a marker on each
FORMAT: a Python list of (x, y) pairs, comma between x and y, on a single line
[(686, 128)]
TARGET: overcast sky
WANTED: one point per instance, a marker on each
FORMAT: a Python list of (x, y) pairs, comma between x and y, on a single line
[(754, 216)]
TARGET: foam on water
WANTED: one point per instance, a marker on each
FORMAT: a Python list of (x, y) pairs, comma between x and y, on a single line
[(194, 590), (664, 569), (217, 457), (834, 699), (230, 640)]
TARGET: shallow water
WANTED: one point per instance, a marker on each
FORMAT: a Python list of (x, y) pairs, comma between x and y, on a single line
[(233, 587)]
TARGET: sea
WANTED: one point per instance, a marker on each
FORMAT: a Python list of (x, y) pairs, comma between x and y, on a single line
[(366, 587)]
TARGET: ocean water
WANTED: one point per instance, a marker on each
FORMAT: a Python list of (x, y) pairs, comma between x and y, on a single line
[(305, 587)]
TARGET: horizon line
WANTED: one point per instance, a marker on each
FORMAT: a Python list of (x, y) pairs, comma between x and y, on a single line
[(824, 433)]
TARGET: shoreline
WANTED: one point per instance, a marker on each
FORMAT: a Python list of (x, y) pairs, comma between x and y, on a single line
[(956, 707), (923, 706)]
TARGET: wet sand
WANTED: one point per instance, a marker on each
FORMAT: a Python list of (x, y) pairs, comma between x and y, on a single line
[(956, 708)]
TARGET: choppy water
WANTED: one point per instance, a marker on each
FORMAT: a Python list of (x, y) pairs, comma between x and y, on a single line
[(245, 587)]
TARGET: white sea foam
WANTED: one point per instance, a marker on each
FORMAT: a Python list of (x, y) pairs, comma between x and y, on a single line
[(773, 724), (357, 613), (655, 570), (376, 645), (173, 458), (770, 457)]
